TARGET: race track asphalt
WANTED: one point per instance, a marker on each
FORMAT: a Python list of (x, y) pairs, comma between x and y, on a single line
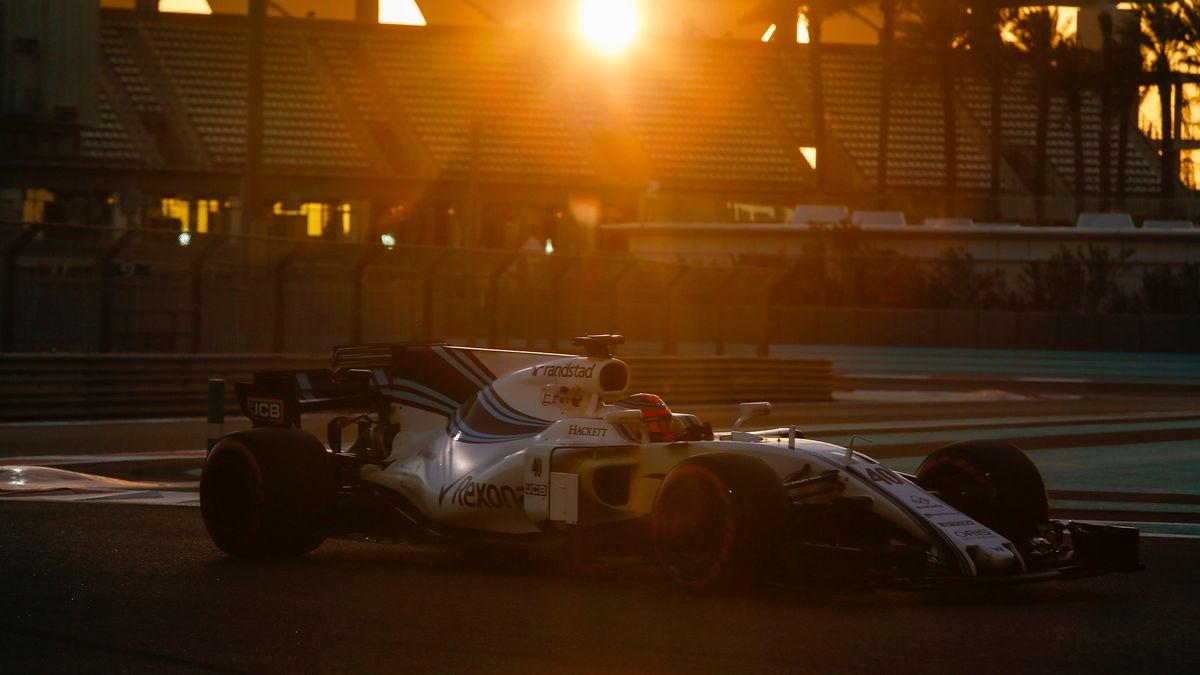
[(107, 588), (102, 587)]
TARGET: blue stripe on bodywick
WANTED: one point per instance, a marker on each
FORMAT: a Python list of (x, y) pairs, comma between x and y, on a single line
[(496, 405), (466, 372)]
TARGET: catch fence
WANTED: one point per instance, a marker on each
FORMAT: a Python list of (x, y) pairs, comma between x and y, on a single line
[(77, 289)]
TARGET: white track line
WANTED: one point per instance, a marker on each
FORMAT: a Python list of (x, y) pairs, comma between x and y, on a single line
[(148, 456)]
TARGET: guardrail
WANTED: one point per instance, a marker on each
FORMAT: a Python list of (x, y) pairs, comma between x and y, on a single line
[(43, 387)]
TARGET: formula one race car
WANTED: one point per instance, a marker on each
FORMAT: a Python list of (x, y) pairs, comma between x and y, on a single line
[(462, 444)]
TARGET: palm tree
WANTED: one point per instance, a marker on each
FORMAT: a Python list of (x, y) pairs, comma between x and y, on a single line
[(1125, 76), (992, 57), (1107, 86), (784, 14), (937, 28), (1036, 34), (887, 39), (1073, 74), (815, 12), (1190, 63), (1169, 33)]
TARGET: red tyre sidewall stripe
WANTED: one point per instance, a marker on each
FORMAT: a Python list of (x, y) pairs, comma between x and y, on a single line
[(250, 459)]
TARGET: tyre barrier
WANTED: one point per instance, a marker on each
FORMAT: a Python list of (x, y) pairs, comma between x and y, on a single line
[(41, 387)]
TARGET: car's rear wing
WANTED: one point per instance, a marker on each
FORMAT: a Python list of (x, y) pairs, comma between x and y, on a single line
[(280, 397), (377, 355)]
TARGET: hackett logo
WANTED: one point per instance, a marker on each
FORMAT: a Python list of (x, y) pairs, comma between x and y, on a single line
[(575, 430), (575, 370)]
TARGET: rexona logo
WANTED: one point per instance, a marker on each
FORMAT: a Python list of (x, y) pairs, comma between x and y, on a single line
[(466, 491), (574, 370), (266, 408)]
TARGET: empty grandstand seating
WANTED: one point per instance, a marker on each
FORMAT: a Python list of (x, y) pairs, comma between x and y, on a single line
[(691, 110), (114, 42), (454, 83), (1019, 117), (915, 147), (717, 115), (108, 140), (205, 62)]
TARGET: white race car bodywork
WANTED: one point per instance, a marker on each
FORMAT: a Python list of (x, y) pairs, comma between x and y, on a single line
[(468, 443), (501, 480)]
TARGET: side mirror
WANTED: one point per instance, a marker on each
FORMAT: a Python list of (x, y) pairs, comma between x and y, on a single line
[(631, 417), (748, 411)]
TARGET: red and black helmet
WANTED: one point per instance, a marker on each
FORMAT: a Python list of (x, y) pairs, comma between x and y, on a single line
[(655, 415)]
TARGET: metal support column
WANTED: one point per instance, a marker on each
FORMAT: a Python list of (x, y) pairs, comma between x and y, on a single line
[(8, 312), (279, 336), (357, 281), (106, 261), (493, 299)]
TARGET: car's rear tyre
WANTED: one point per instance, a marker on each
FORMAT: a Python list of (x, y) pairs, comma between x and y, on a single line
[(716, 521), (990, 481), (268, 493)]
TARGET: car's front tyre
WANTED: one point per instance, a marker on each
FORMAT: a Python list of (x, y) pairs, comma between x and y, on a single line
[(717, 519), (992, 482)]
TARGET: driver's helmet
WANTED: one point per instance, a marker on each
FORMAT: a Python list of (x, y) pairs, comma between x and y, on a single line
[(655, 415)]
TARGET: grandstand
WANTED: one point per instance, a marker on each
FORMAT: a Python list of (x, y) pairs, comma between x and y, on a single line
[(421, 130)]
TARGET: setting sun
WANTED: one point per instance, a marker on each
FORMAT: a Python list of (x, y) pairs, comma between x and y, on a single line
[(608, 25), (403, 12)]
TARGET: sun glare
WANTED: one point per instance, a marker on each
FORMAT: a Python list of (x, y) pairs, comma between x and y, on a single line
[(608, 25), (185, 6), (402, 12), (801, 31)]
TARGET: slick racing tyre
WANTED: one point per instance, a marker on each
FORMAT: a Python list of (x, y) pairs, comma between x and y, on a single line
[(267, 493), (992, 482), (716, 521)]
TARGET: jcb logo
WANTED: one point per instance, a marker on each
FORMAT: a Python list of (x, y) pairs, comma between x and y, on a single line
[(265, 408)]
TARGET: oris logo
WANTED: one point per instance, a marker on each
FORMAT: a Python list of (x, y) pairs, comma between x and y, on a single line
[(266, 408)]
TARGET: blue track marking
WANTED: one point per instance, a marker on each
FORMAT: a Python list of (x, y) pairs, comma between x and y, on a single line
[(1006, 363), (1168, 467), (1164, 467), (1125, 506), (1187, 530), (823, 430), (952, 435)]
